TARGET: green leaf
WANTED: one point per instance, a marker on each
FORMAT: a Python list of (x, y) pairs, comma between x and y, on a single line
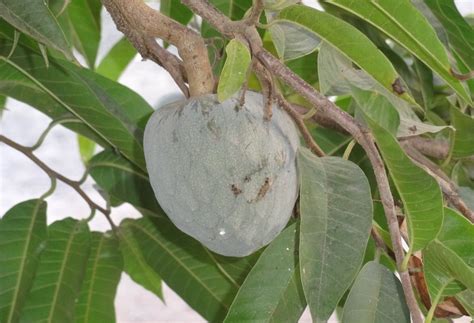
[(86, 148), (458, 30), (272, 291), (403, 23), (463, 145), (376, 297), (135, 264), (346, 38), (277, 5), (123, 181), (117, 59), (109, 111), (336, 217), (185, 265), (420, 193), (84, 16), (450, 257), (95, 302), (337, 76), (60, 272), (36, 20), (176, 10), (235, 69), (466, 298), (292, 41), (22, 239)]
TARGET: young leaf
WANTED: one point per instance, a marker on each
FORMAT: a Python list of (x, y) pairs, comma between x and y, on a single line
[(235, 69), (60, 272), (292, 41), (85, 26), (450, 257), (376, 297), (420, 193), (135, 264), (36, 20), (459, 31), (463, 145), (86, 148), (113, 113), (272, 291), (185, 265), (403, 23), (117, 59), (95, 302), (347, 39), (336, 217), (176, 10), (22, 239)]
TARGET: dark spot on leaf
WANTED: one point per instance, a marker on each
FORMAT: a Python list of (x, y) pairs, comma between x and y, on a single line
[(398, 87), (412, 128)]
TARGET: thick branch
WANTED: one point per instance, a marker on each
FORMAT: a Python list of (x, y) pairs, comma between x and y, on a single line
[(360, 134), (76, 185), (139, 23)]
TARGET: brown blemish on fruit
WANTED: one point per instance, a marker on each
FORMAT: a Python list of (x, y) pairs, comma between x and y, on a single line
[(235, 190), (247, 179), (263, 189)]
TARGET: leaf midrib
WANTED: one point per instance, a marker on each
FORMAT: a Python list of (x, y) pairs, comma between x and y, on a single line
[(23, 260), (182, 264), (94, 271), (54, 302)]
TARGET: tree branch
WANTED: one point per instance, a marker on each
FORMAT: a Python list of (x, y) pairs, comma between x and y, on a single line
[(76, 185), (360, 134), (140, 23), (447, 186)]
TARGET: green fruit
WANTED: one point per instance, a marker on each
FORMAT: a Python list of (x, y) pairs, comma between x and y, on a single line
[(223, 174)]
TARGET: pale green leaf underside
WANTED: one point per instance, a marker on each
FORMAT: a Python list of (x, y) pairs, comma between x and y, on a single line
[(347, 39), (420, 193), (338, 77), (376, 297), (59, 276), (402, 22), (336, 217), (292, 41), (22, 238), (272, 291), (95, 303), (235, 69), (36, 20)]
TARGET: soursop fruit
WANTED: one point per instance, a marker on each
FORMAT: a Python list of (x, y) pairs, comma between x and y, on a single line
[(221, 173)]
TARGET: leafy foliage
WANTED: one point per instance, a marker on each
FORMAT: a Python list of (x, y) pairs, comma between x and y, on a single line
[(401, 69)]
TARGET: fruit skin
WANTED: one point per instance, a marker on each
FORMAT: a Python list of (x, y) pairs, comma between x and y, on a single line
[(221, 173)]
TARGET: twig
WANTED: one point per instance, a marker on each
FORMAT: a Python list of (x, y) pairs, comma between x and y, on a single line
[(255, 13), (447, 186), (140, 23), (308, 138), (28, 152)]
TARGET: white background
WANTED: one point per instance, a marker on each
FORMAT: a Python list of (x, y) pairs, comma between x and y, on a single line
[(20, 179)]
